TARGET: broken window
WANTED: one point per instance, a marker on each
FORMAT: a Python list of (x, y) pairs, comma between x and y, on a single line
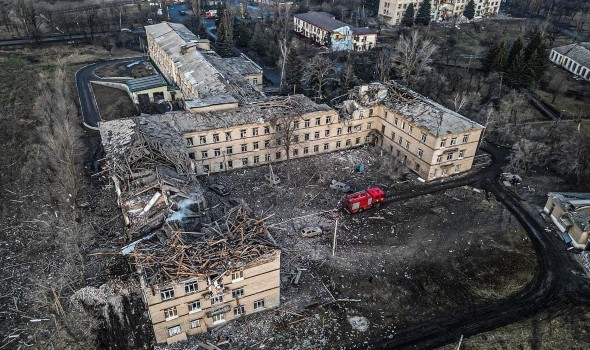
[(172, 331), (327, 133), (385, 115), (349, 129), (217, 152), (258, 304), (215, 137), (465, 138), (316, 148), (266, 130), (318, 121), (358, 127), (278, 155), (256, 159), (170, 313), (237, 293), (296, 124), (167, 294), (295, 138), (420, 153), (204, 154), (399, 140), (216, 299), (267, 144), (328, 119), (240, 310), (410, 129), (255, 81), (305, 150), (395, 121), (438, 159), (457, 168), (254, 131), (278, 127), (358, 140), (391, 148), (417, 167), (237, 276), (243, 133), (306, 137), (218, 318), (202, 140), (244, 161), (423, 137), (206, 169), (371, 112), (443, 143), (230, 164), (338, 144), (194, 306), (453, 141), (383, 129), (407, 144), (450, 156), (191, 155), (255, 145), (403, 125), (461, 154), (295, 152), (219, 166), (393, 135), (339, 131), (229, 150), (369, 126), (191, 287), (316, 135), (189, 141), (267, 157), (195, 323), (326, 146), (306, 123), (228, 136), (244, 147), (348, 142)]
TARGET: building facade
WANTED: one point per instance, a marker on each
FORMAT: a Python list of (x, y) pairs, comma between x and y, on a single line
[(570, 212), (193, 306), (575, 58), (392, 11), (326, 31)]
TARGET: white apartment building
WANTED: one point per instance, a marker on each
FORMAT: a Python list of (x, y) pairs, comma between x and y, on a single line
[(392, 11)]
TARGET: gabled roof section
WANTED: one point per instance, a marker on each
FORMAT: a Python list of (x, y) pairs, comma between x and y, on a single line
[(146, 83), (322, 20)]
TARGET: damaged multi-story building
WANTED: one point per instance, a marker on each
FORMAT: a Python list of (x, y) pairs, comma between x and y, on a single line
[(199, 266)]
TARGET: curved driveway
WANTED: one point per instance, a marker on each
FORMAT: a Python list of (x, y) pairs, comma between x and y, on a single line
[(559, 281), (84, 77)]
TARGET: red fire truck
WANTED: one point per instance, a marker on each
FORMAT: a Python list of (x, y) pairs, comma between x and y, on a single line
[(357, 202)]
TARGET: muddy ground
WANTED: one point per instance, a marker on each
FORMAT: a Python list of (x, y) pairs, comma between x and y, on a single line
[(393, 267), (113, 103)]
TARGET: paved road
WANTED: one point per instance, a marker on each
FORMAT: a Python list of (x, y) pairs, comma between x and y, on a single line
[(84, 77), (559, 281)]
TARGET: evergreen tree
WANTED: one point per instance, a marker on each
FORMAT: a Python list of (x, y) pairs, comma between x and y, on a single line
[(518, 73), (515, 50), (496, 58), (469, 11), (423, 15), (293, 71), (225, 31), (408, 18), (534, 55)]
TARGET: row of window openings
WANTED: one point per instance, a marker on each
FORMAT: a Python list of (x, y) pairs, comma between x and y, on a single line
[(244, 132), (239, 310), (193, 286), (195, 306), (278, 155)]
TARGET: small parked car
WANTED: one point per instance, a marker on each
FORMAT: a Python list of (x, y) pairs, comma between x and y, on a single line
[(219, 189), (311, 231), (274, 179), (340, 186)]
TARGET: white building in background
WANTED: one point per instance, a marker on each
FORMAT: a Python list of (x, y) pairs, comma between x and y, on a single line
[(392, 11), (574, 58)]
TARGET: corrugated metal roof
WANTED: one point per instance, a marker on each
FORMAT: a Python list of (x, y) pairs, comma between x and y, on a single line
[(146, 83), (575, 52)]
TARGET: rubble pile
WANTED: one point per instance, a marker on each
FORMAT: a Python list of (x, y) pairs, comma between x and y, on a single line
[(227, 244)]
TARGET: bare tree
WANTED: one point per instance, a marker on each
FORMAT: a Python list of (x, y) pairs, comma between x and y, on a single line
[(26, 11), (286, 137), (383, 66), (413, 57), (318, 73)]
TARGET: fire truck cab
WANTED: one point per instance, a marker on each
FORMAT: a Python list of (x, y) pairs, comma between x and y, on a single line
[(359, 201)]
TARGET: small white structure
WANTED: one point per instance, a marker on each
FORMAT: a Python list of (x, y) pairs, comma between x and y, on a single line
[(573, 57)]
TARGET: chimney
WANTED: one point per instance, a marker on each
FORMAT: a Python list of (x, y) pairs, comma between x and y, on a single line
[(188, 47)]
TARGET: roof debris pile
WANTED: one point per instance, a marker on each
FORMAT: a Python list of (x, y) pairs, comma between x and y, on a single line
[(152, 173), (416, 108), (229, 243)]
